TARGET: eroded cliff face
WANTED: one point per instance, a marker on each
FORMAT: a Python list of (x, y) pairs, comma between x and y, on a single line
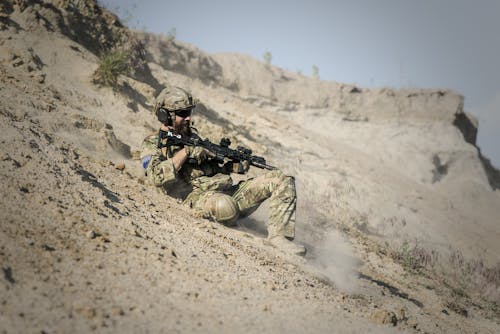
[(268, 85), (86, 244)]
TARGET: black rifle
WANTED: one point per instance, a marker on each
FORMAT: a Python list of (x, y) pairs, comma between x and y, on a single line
[(221, 151)]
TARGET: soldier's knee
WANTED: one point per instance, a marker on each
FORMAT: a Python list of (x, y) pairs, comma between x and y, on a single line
[(287, 181), (283, 177), (222, 208)]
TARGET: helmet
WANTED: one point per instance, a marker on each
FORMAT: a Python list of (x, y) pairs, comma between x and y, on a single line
[(170, 100), (222, 208)]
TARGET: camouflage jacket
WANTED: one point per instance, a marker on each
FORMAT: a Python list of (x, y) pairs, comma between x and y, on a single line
[(209, 175)]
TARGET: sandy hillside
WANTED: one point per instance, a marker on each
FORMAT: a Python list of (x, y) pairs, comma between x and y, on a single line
[(397, 207)]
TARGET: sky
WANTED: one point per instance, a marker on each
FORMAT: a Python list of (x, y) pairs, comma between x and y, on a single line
[(452, 44)]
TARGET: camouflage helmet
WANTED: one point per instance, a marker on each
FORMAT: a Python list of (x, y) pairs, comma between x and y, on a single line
[(172, 99)]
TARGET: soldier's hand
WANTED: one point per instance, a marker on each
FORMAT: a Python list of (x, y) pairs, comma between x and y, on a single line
[(198, 153), (241, 167)]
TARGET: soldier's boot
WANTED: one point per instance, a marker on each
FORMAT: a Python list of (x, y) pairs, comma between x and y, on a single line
[(287, 246)]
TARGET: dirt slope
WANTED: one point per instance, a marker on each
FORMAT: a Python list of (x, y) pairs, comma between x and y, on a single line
[(86, 245)]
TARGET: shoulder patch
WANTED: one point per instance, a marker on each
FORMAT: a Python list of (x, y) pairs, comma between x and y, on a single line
[(145, 161)]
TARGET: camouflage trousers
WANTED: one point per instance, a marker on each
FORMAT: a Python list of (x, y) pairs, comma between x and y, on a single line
[(249, 194)]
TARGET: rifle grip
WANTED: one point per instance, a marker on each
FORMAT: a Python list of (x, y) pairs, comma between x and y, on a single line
[(241, 169)]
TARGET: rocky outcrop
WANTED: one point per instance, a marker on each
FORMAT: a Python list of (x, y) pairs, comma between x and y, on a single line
[(71, 18), (182, 58), (74, 19)]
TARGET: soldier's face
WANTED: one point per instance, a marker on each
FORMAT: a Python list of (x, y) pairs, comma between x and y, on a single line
[(182, 123)]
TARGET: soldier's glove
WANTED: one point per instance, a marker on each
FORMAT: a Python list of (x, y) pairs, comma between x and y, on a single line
[(198, 153), (241, 167)]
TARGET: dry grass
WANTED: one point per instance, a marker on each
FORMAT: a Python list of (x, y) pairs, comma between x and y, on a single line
[(414, 258), (462, 274), (474, 274)]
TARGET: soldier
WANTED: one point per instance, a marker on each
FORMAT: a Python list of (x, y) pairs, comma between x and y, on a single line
[(189, 173)]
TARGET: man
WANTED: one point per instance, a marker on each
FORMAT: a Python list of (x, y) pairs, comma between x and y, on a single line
[(189, 173)]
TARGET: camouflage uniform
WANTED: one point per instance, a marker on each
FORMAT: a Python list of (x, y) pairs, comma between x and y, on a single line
[(197, 184)]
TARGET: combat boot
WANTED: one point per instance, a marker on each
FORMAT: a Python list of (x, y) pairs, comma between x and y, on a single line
[(287, 246)]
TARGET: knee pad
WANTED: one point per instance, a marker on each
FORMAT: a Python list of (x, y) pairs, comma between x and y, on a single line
[(222, 208)]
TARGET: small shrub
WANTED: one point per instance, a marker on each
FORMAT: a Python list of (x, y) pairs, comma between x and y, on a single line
[(406, 257), (172, 33), (111, 66), (315, 72), (414, 258), (267, 57)]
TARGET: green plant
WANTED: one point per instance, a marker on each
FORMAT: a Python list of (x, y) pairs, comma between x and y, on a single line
[(267, 57), (172, 33), (315, 72), (112, 64), (414, 258), (406, 257)]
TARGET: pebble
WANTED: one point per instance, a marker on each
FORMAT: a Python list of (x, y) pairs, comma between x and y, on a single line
[(41, 78), (17, 62), (87, 312), (401, 314), (117, 310), (91, 234), (384, 317), (135, 233), (120, 166)]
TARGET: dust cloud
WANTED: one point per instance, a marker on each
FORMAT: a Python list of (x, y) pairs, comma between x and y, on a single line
[(329, 253), (256, 222), (333, 257)]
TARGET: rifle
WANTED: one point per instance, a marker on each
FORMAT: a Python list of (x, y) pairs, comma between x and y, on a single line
[(221, 151)]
